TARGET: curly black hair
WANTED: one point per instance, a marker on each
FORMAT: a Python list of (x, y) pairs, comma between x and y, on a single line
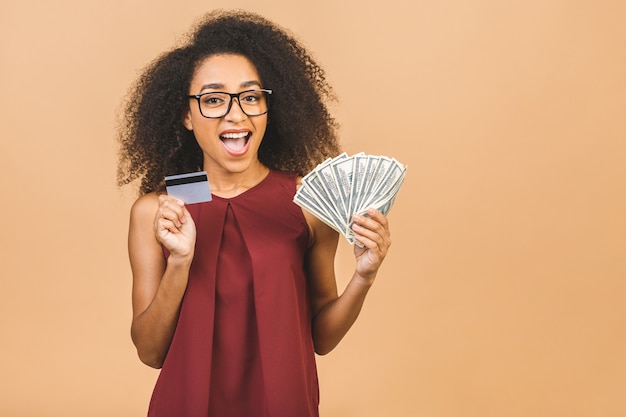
[(302, 133)]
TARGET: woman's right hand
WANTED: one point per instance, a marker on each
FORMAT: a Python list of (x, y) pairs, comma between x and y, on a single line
[(175, 228)]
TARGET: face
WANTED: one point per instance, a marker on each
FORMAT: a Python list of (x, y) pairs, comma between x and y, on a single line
[(230, 144)]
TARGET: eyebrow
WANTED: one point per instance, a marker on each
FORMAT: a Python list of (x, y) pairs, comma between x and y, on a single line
[(217, 86)]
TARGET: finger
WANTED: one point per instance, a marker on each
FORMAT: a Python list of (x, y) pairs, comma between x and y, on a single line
[(379, 217), (373, 233), (171, 209), (372, 236), (377, 223), (186, 213), (374, 246), (168, 226), (170, 201), (170, 215)]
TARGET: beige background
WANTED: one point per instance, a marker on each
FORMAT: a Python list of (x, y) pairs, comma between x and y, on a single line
[(503, 293)]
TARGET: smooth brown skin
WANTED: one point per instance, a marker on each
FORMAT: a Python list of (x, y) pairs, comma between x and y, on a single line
[(159, 220)]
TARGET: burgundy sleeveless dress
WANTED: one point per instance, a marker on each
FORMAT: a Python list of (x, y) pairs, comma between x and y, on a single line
[(242, 346)]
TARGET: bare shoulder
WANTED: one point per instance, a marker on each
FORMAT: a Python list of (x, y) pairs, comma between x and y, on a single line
[(142, 215), (145, 206), (144, 249)]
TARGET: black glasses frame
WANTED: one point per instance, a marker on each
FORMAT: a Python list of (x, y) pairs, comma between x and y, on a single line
[(230, 103)]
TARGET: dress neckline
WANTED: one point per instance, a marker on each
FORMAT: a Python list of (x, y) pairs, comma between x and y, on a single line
[(248, 191)]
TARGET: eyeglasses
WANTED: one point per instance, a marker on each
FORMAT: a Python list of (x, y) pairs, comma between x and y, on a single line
[(215, 105)]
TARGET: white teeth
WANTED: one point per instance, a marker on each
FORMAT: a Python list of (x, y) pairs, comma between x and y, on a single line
[(235, 135)]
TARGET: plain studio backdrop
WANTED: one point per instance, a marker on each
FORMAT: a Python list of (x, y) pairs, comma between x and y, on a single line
[(503, 293)]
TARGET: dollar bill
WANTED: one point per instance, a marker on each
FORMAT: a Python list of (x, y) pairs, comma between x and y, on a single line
[(340, 187)]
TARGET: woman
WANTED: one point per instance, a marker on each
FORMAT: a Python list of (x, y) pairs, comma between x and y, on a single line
[(233, 297)]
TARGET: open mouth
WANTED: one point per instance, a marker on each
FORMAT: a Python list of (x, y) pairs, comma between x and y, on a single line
[(236, 143)]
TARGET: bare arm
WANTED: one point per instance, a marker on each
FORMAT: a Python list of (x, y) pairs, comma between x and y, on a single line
[(158, 284), (333, 315)]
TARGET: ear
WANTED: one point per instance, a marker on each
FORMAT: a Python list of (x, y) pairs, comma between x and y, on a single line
[(187, 120)]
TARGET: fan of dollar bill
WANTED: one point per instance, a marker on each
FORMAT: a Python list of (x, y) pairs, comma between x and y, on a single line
[(342, 186)]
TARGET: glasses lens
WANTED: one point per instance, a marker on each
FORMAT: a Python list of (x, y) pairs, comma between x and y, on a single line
[(216, 105), (253, 103)]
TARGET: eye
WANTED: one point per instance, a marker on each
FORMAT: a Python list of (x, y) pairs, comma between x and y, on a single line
[(213, 99), (252, 96)]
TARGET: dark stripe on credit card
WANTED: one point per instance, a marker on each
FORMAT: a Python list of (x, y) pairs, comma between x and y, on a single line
[(186, 180)]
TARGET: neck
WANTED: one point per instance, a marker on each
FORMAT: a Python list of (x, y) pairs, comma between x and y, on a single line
[(230, 184)]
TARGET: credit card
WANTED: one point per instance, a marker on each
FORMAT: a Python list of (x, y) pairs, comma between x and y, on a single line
[(191, 188)]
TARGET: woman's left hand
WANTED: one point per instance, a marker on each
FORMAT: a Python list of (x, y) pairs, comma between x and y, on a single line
[(373, 233)]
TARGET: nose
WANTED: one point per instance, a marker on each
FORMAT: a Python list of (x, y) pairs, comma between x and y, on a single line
[(235, 112)]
